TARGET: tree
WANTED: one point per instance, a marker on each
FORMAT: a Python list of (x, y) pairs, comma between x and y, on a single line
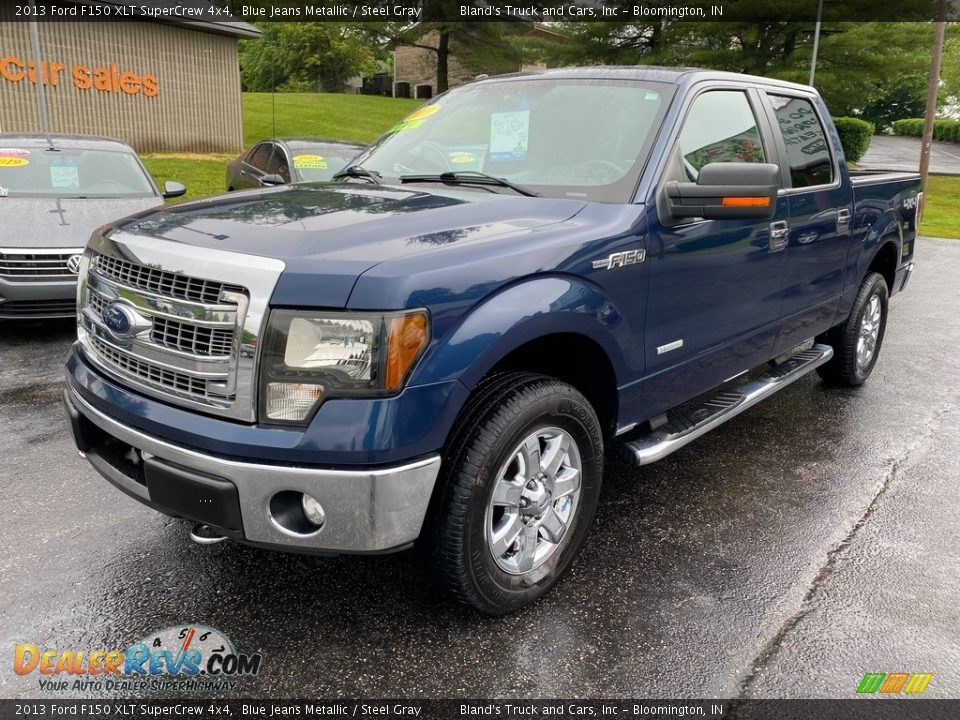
[(874, 70), (486, 45), (310, 56)]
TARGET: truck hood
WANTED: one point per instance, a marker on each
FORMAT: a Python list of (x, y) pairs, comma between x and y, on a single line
[(328, 234), (29, 222)]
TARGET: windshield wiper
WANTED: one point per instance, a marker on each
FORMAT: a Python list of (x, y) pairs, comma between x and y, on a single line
[(468, 177), (355, 171)]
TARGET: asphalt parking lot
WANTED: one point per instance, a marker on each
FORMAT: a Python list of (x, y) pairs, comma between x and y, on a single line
[(890, 152), (805, 543)]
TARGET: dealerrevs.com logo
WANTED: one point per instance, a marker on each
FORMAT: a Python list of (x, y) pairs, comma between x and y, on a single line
[(187, 657), (894, 683)]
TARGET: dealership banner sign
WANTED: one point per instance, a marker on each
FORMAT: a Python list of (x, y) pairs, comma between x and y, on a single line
[(381, 709), (627, 11)]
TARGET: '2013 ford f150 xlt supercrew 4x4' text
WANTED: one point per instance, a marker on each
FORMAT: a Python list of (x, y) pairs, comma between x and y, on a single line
[(440, 345)]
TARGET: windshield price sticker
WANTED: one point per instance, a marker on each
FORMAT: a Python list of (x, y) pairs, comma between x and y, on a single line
[(13, 162), (13, 152), (509, 135), (64, 175), (310, 162)]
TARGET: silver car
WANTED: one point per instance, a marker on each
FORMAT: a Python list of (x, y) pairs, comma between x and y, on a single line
[(54, 192)]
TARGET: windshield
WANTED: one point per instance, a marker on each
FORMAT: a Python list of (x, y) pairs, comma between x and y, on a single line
[(69, 172), (561, 138), (319, 163)]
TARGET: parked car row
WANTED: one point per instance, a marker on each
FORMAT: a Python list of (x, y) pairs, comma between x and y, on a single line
[(55, 190)]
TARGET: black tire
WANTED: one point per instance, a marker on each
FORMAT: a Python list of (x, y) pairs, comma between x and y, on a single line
[(844, 369), (503, 412)]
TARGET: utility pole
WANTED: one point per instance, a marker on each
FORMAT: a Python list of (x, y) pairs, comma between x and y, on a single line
[(38, 64), (816, 42), (940, 27)]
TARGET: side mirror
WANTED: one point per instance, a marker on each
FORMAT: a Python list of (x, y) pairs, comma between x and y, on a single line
[(272, 180), (724, 191), (173, 189)]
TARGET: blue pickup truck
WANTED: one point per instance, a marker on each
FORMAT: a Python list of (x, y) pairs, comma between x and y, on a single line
[(439, 347)]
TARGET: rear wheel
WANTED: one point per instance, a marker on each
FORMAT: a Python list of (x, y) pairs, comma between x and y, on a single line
[(521, 486), (856, 342)]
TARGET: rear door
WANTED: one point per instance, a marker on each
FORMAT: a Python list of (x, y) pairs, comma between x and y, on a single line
[(820, 203), (714, 302)]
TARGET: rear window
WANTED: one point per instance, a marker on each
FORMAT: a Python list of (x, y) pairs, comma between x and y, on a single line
[(66, 172)]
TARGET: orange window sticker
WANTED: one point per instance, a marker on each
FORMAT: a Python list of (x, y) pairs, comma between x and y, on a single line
[(13, 162), (309, 162), (462, 158)]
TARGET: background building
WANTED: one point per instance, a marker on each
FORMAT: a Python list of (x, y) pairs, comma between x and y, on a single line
[(415, 68), (156, 85)]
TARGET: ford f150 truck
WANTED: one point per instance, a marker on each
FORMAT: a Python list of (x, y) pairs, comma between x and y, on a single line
[(441, 344)]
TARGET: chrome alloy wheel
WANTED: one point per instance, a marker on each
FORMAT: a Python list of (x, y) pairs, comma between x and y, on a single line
[(869, 332), (534, 500)]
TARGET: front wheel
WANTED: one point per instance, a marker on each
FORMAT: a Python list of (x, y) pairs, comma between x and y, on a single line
[(521, 487), (856, 342)]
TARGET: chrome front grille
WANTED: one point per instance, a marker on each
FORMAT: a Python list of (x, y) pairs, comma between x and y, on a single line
[(190, 338), (160, 281), (148, 372), (36, 265), (182, 346), (168, 319)]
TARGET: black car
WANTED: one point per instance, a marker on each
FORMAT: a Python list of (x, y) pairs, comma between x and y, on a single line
[(289, 160)]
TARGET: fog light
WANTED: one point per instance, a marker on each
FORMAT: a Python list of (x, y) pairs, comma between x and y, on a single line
[(313, 510), (291, 401)]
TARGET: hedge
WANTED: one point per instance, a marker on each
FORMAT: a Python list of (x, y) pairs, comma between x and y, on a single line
[(943, 128), (855, 135)]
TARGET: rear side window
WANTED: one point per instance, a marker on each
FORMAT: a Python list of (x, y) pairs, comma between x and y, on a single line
[(807, 148), (276, 164), (260, 155), (720, 127)]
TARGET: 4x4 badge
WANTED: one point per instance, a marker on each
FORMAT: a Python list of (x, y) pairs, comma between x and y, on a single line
[(620, 259)]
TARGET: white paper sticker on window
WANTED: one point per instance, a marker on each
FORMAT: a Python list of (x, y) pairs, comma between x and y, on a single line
[(509, 134), (64, 176)]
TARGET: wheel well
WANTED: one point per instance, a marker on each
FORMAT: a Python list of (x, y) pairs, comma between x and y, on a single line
[(576, 360), (885, 263)]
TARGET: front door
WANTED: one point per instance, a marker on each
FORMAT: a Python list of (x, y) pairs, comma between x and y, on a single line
[(714, 302)]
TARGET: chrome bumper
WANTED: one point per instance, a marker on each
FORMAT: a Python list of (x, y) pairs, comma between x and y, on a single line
[(367, 511)]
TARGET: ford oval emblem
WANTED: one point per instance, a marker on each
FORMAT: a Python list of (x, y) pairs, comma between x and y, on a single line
[(118, 319)]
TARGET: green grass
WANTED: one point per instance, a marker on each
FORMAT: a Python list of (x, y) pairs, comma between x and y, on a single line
[(202, 174), (941, 216), (343, 117)]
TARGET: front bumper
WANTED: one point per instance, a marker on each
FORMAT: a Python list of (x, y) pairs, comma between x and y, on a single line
[(38, 299), (367, 511)]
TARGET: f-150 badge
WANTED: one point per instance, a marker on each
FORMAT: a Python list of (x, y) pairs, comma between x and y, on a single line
[(620, 259)]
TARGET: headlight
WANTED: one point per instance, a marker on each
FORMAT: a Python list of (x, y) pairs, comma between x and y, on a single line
[(309, 356)]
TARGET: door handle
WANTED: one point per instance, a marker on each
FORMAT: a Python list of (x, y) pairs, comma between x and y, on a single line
[(779, 236), (843, 218)]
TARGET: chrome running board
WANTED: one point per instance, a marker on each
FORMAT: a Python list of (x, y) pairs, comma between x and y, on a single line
[(685, 427)]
